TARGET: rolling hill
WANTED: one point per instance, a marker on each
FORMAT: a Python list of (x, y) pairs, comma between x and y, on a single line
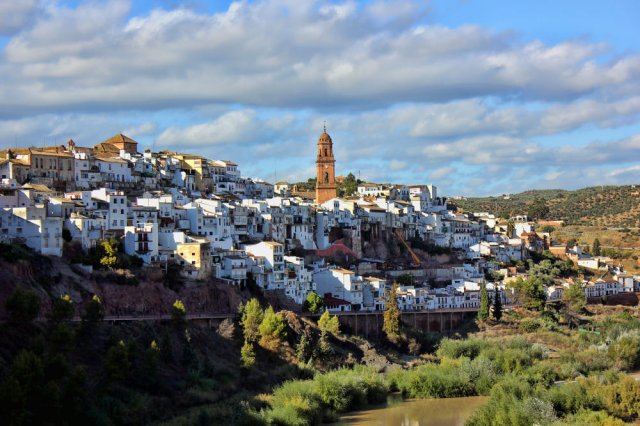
[(612, 206)]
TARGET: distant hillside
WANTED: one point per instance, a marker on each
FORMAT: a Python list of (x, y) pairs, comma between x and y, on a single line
[(616, 206)]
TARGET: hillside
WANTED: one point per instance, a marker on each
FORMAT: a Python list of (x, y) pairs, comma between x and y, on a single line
[(614, 206)]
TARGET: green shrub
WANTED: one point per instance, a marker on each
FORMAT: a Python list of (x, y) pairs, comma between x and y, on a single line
[(345, 389), (530, 325), (295, 403), (469, 348), (433, 381), (625, 351), (513, 402), (590, 418), (304, 402), (572, 398)]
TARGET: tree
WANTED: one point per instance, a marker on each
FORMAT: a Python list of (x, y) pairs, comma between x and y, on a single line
[(23, 305), (93, 310), (329, 324), (497, 305), (597, 248), (178, 312), (574, 298), (117, 362), (303, 348), (66, 235), (62, 309), (348, 186), (313, 303), (109, 253), (538, 209), (251, 319), (511, 226), (391, 318), (529, 293), (483, 311), (247, 355), (272, 329)]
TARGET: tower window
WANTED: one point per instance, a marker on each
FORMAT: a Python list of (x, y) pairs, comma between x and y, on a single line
[(326, 177), (325, 152)]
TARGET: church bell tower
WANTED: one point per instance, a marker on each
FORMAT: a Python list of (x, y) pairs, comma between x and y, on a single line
[(325, 169)]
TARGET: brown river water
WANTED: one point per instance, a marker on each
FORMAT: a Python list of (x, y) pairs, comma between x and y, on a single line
[(416, 412)]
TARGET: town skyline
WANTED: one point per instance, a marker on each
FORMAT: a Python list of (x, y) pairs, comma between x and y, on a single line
[(477, 102)]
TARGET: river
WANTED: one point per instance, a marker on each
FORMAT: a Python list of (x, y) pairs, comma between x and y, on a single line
[(416, 412)]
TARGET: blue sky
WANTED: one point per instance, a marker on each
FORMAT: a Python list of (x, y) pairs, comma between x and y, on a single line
[(477, 97)]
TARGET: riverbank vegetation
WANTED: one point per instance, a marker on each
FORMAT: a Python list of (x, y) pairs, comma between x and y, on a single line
[(550, 376), (277, 368)]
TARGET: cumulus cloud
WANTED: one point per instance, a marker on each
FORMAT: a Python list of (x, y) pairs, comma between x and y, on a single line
[(467, 107), (17, 15), (232, 127), (285, 54)]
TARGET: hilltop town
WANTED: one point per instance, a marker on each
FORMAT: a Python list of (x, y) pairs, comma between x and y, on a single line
[(202, 218)]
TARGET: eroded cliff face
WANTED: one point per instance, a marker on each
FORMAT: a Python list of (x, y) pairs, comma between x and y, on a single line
[(52, 277)]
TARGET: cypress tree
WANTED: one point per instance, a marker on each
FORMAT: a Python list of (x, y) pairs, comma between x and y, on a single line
[(497, 305), (391, 323), (483, 312)]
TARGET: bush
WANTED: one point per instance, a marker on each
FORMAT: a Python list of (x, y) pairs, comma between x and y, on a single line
[(590, 418), (23, 305), (529, 325), (513, 402), (344, 389), (625, 351), (469, 348), (622, 399), (304, 402), (433, 381), (295, 403)]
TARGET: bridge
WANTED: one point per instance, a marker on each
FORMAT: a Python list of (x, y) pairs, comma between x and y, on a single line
[(364, 323)]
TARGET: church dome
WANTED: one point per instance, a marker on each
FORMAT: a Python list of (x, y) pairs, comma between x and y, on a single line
[(324, 137)]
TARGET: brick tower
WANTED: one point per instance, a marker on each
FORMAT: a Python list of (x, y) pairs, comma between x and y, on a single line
[(325, 169)]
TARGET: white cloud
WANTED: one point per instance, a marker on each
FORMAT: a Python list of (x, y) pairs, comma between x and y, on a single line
[(296, 53), (16, 15), (440, 173), (145, 128), (232, 127)]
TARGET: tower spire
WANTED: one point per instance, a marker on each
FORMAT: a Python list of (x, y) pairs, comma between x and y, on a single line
[(324, 126)]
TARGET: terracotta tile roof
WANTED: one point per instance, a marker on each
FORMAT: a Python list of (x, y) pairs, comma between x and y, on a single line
[(119, 138)]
